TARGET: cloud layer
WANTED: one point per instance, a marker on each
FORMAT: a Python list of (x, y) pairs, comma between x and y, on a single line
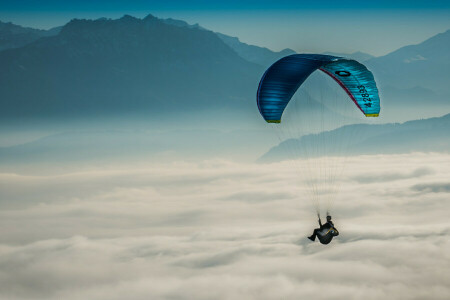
[(222, 230)]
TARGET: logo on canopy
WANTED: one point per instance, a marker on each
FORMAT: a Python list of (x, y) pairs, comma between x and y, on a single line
[(342, 73)]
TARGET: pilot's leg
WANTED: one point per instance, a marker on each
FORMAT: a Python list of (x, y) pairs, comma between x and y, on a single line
[(313, 236)]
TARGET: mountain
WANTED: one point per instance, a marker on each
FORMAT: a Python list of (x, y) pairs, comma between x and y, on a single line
[(150, 67), (15, 36), (425, 65), (413, 136), (399, 101), (181, 23), (69, 149), (255, 54), (251, 53), (105, 67), (358, 55)]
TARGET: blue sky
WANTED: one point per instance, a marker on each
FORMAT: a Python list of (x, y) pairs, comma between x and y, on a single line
[(376, 27), (55, 5)]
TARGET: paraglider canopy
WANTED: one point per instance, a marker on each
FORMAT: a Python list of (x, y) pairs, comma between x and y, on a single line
[(280, 82)]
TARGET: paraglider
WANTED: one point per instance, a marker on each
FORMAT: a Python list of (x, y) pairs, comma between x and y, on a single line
[(325, 232), (276, 89), (284, 77)]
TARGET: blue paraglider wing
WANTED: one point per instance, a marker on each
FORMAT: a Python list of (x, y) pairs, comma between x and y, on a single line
[(358, 82), (280, 82)]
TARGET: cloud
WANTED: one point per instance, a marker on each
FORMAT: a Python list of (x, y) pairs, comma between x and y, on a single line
[(434, 187), (390, 176), (257, 196), (225, 230)]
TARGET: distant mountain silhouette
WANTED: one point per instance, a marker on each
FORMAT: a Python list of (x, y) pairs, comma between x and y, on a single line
[(122, 66), (181, 23), (151, 66), (15, 36), (255, 54), (428, 135), (99, 146), (251, 53), (358, 55), (425, 65)]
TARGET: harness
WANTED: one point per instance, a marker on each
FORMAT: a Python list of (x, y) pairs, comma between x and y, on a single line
[(331, 229)]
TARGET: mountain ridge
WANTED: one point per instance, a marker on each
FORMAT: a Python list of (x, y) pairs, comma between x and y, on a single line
[(151, 65), (122, 65), (424, 135), (16, 36), (424, 64), (358, 55)]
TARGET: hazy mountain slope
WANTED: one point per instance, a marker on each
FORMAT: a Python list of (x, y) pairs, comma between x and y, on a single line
[(404, 97), (429, 135), (153, 66), (358, 55), (95, 147), (255, 54), (122, 66), (425, 65), (15, 36), (181, 23), (251, 53)]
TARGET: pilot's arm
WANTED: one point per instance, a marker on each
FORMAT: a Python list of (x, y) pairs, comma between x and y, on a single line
[(336, 232)]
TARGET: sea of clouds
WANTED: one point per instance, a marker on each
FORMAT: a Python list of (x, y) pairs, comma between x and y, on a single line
[(226, 230)]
